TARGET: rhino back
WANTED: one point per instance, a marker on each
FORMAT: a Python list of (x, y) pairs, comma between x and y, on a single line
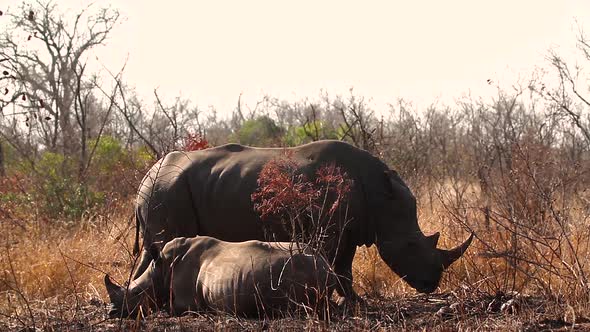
[(208, 192), (253, 277)]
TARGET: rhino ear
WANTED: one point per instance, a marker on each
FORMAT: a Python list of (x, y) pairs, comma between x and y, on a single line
[(388, 185), (395, 186)]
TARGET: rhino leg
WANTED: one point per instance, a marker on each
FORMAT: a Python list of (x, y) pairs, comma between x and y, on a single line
[(343, 270)]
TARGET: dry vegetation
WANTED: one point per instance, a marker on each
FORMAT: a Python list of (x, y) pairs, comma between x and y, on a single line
[(515, 170), (52, 278)]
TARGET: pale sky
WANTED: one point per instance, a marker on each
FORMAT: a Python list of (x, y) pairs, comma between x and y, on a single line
[(211, 51)]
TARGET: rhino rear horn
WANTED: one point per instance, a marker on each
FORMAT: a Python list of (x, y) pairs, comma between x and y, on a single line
[(450, 256), (433, 239)]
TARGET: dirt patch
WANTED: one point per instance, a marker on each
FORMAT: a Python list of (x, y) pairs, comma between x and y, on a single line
[(421, 312)]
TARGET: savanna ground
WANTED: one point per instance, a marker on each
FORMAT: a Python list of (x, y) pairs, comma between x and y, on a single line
[(74, 144), (53, 280)]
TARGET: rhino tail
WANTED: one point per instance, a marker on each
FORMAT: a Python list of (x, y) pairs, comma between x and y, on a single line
[(136, 244)]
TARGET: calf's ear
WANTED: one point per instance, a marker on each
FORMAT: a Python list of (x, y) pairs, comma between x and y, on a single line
[(115, 292)]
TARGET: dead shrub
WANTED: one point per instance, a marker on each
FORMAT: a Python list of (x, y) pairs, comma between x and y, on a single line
[(311, 210), (531, 231)]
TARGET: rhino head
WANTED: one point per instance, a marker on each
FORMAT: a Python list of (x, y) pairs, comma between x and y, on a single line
[(143, 294), (402, 245)]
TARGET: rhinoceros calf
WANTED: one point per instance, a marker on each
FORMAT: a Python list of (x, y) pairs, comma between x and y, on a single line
[(251, 278)]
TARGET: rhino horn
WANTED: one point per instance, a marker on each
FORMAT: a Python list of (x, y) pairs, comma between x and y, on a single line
[(433, 239), (449, 256), (115, 291)]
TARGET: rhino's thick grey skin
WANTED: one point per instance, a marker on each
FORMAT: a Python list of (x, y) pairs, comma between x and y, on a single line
[(208, 192), (252, 278)]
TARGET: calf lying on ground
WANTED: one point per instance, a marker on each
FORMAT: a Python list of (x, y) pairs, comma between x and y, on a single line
[(251, 278)]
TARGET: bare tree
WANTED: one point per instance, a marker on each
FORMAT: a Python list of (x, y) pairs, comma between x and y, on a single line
[(44, 59), (570, 99), (359, 120)]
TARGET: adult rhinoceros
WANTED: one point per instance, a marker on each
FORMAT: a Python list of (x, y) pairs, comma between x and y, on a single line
[(208, 192), (251, 278)]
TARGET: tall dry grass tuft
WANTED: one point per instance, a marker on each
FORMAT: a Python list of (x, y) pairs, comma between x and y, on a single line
[(526, 200), (372, 277), (62, 264), (532, 230)]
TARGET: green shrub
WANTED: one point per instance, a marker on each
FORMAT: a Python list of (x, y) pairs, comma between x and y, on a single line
[(114, 169), (261, 131), (108, 155), (304, 134), (59, 192)]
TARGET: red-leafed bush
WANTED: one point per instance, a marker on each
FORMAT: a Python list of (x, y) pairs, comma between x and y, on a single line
[(193, 142), (332, 180), (304, 207)]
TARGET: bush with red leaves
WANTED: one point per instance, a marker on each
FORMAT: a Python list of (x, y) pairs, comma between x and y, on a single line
[(193, 142), (302, 206)]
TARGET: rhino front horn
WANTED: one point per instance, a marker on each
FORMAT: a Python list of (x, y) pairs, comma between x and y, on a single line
[(450, 256)]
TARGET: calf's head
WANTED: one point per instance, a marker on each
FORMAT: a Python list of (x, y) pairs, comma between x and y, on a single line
[(146, 293)]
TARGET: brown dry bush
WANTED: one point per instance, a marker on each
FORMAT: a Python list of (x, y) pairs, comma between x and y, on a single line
[(518, 180), (532, 228), (309, 209)]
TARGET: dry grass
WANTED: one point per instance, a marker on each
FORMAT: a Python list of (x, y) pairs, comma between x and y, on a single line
[(55, 263), (52, 279)]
